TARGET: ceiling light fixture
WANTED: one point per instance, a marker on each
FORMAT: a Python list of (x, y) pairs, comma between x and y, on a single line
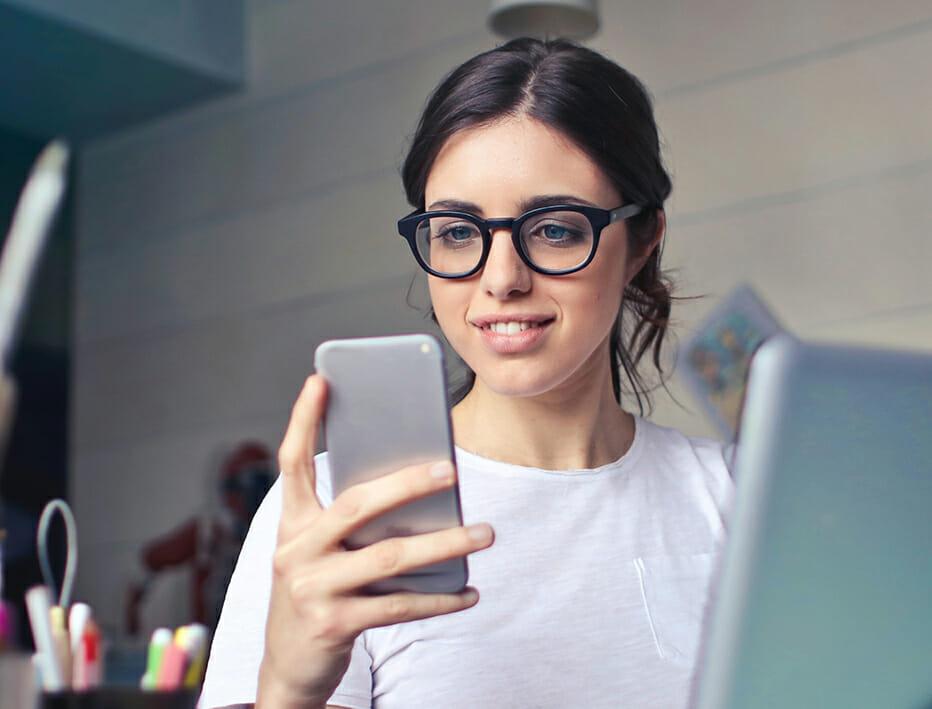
[(574, 19)]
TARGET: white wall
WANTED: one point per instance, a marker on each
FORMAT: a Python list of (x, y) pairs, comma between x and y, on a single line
[(217, 247)]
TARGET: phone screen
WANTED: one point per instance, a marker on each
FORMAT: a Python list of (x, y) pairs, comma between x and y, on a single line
[(387, 409)]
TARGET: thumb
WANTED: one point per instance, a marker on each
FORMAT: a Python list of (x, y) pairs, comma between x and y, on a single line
[(296, 457)]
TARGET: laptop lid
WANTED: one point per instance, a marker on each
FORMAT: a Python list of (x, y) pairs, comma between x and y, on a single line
[(29, 230), (825, 594)]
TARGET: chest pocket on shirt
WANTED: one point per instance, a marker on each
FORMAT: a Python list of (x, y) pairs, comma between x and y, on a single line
[(675, 591)]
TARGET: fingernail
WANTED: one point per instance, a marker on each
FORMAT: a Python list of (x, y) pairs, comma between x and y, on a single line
[(442, 471), (470, 595), (480, 532)]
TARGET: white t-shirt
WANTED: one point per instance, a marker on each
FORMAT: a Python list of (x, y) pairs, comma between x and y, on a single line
[(593, 593)]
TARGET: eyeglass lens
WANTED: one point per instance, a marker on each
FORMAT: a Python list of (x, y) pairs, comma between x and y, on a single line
[(556, 241)]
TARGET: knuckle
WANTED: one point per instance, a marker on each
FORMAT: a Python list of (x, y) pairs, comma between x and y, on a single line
[(308, 597), (298, 592), (459, 540), (288, 459), (453, 543), (319, 613), (281, 562), (397, 608), (348, 505), (388, 555), (439, 604), (324, 621)]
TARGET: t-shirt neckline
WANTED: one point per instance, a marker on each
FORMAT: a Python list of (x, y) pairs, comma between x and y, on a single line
[(627, 459)]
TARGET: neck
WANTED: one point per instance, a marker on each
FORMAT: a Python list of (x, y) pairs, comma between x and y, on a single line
[(577, 427)]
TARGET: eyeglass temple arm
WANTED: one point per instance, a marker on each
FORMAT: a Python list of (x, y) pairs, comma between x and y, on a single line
[(625, 212)]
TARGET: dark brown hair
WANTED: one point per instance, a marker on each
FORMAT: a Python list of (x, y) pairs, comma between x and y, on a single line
[(604, 110)]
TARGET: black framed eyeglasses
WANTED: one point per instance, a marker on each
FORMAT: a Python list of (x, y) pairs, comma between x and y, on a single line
[(553, 240)]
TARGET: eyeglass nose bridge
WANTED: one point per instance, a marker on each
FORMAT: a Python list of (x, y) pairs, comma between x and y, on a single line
[(509, 223), (503, 223)]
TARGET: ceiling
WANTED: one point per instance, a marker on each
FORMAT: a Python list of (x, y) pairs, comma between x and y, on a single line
[(84, 69)]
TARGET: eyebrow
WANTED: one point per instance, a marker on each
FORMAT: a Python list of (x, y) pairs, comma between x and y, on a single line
[(550, 200), (454, 205)]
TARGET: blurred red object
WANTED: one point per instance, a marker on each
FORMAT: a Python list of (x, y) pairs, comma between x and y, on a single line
[(209, 542)]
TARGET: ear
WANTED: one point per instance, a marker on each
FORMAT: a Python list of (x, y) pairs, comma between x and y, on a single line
[(638, 256)]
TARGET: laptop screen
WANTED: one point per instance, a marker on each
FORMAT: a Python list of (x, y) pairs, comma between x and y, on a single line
[(825, 593)]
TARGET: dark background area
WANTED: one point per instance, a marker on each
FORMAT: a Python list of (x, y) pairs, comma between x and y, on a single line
[(77, 70)]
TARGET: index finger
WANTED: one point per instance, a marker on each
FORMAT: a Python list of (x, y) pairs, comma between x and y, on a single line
[(296, 457)]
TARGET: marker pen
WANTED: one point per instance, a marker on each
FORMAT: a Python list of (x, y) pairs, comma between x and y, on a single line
[(197, 652), (38, 606), (174, 662), (160, 640), (78, 616), (61, 641), (87, 658)]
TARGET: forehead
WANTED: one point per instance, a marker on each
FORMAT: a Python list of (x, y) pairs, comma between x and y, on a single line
[(514, 159)]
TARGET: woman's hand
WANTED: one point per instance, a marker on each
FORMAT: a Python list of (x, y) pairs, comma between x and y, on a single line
[(317, 607)]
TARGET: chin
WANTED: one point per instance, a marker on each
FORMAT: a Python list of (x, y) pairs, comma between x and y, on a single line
[(542, 373), (521, 384)]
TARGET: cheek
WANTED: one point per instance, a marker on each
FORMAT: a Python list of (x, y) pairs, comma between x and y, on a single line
[(603, 307), (600, 288), (448, 299), (609, 281), (597, 310)]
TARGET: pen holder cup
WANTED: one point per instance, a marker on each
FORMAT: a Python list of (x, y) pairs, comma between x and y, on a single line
[(121, 698)]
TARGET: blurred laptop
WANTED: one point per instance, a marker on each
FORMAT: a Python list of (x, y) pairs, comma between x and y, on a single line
[(824, 598), (23, 246)]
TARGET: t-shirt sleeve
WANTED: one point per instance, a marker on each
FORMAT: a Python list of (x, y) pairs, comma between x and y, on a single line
[(715, 459), (239, 641), (355, 689)]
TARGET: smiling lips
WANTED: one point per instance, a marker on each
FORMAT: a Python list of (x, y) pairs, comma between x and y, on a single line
[(510, 328), (511, 336)]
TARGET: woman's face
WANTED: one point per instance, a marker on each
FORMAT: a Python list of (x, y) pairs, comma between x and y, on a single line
[(501, 170)]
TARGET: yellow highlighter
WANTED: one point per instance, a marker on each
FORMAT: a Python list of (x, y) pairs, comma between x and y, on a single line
[(62, 642), (197, 652)]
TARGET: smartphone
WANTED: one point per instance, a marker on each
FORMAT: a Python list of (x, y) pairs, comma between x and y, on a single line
[(386, 409)]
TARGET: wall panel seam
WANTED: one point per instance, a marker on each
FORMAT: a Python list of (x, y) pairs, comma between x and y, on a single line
[(308, 302), (908, 170), (179, 230), (809, 58)]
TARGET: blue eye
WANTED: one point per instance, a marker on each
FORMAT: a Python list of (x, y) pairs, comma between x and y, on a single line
[(456, 234), (553, 232), (459, 233)]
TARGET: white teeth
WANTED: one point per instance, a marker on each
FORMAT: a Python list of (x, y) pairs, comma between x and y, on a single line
[(510, 328)]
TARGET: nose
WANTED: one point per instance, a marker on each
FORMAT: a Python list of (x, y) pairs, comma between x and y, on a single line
[(504, 274)]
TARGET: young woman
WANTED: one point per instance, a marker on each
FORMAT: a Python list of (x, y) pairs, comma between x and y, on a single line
[(539, 190)]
